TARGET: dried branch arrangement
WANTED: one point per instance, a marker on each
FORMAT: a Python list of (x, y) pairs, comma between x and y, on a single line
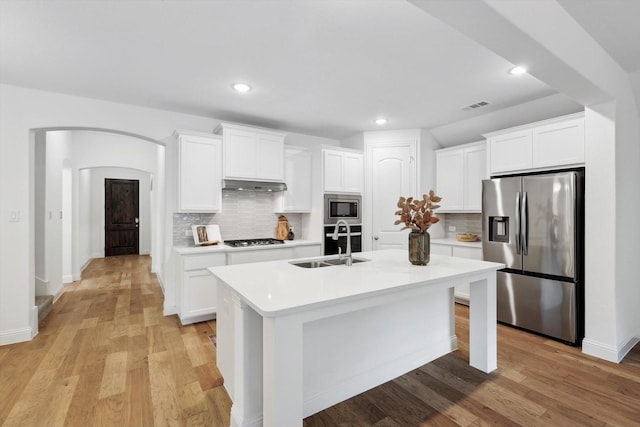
[(418, 214)]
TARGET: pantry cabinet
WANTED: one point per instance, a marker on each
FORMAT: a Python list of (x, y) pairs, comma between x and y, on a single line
[(342, 171), (542, 145), (297, 176), (199, 172), (252, 153), (459, 174)]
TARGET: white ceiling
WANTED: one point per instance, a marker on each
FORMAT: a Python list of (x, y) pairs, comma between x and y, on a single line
[(325, 68)]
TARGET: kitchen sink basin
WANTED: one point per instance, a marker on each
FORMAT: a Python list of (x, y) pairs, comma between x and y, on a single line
[(324, 262), (311, 264), (336, 261)]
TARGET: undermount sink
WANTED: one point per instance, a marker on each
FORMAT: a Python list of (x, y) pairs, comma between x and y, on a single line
[(325, 262)]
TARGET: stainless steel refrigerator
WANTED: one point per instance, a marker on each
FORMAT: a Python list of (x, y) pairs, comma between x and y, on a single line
[(534, 225)]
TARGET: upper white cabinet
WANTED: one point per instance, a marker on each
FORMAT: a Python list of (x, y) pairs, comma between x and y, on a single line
[(459, 174), (541, 145), (297, 176), (342, 171), (252, 153), (199, 172)]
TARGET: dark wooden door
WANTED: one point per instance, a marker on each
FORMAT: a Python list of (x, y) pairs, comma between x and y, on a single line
[(121, 217)]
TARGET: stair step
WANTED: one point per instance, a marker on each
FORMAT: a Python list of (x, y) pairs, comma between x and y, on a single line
[(45, 304)]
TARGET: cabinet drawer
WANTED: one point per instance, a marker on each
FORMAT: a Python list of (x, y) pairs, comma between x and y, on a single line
[(465, 252), (260, 255), (200, 261)]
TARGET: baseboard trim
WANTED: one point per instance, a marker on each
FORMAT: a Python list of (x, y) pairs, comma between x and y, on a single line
[(169, 310), (68, 278), (13, 336), (42, 286), (608, 352)]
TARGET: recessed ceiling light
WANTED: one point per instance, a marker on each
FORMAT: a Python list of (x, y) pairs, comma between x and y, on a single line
[(381, 121), (516, 71), (241, 87)]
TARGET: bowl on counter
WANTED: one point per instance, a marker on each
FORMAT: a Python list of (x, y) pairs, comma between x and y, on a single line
[(466, 237)]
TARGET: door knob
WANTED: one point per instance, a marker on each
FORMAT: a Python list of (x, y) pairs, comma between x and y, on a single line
[(375, 238)]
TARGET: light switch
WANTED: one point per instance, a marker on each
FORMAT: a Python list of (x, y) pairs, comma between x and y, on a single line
[(14, 216)]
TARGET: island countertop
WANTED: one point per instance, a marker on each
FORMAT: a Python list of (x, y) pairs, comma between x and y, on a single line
[(278, 287)]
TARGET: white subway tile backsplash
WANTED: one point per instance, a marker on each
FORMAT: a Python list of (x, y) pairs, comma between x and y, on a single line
[(464, 223), (245, 215)]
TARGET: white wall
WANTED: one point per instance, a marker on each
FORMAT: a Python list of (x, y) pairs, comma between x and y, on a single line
[(58, 149), (21, 111)]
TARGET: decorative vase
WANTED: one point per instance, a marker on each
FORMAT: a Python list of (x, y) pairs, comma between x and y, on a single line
[(419, 247)]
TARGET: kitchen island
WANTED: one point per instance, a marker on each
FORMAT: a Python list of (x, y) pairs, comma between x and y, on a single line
[(293, 341)]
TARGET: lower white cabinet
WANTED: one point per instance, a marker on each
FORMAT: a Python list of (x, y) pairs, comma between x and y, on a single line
[(197, 300), (462, 291), (196, 293)]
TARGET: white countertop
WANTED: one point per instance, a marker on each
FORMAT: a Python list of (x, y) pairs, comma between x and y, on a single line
[(221, 247), (278, 287), (452, 241)]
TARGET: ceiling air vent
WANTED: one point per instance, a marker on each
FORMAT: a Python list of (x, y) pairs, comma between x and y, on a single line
[(474, 106)]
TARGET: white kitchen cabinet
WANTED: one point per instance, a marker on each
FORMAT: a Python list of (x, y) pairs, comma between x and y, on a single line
[(342, 171), (199, 172), (197, 294), (542, 145), (462, 291), (252, 153), (297, 176), (459, 173), (558, 143)]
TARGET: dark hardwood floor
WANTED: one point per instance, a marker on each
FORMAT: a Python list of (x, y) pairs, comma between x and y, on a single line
[(106, 356)]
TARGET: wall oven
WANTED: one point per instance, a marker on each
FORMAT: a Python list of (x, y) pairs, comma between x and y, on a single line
[(342, 206), (331, 246)]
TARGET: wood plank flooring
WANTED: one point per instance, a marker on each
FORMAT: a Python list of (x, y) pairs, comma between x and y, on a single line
[(106, 356)]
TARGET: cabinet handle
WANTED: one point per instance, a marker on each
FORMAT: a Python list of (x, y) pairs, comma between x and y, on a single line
[(376, 238)]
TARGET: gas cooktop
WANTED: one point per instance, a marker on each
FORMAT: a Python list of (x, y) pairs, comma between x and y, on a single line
[(253, 242)]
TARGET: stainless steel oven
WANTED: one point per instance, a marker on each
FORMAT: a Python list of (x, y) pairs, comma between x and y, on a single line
[(331, 246), (342, 206)]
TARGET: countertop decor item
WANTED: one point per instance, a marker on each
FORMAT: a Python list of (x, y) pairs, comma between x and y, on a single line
[(418, 216), (206, 235), (466, 237), (282, 230)]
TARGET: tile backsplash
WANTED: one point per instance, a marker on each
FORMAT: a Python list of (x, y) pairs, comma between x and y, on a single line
[(464, 223), (245, 215)]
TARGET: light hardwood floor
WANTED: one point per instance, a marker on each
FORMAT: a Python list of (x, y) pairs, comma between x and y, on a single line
[(106, 356)]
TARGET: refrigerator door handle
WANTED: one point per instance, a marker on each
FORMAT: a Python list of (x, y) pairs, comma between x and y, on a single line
[(525, 225), (517, 218)]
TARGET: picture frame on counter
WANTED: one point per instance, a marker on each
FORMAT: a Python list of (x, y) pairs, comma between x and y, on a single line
[(204, 235)]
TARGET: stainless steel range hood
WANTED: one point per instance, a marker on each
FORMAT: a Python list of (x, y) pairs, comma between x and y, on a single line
[(235, 184)]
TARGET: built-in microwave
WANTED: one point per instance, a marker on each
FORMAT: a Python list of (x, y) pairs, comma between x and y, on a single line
[(342, 206)]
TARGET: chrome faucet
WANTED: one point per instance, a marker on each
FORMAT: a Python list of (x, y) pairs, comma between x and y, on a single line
[(347, 256)]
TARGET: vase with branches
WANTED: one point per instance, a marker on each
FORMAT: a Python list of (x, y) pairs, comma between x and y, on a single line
[(417, 215)]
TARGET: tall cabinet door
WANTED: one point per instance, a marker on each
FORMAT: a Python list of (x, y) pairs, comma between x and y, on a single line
[(450, 173), (551, 223), (200, 173), (475, 170)]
